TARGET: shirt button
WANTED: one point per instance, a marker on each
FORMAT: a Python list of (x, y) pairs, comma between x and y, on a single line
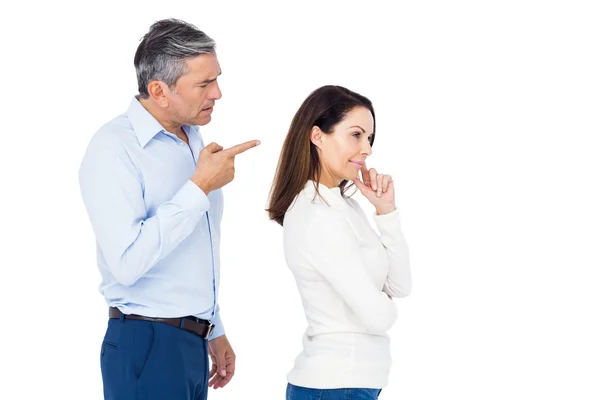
[(181, 144)]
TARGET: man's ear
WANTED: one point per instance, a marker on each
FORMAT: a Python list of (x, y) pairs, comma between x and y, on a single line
[(157, 90)]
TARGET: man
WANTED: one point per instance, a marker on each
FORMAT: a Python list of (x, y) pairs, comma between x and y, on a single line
[(152, 192)]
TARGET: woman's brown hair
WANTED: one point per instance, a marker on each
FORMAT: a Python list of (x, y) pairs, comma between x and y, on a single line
[(299, 160)]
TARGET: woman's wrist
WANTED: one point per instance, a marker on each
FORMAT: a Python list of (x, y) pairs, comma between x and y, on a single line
[(385, 210)]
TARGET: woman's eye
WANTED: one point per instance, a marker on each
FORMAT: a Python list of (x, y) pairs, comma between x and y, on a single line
[(356, 134)]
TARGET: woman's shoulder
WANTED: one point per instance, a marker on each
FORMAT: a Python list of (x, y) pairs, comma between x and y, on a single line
[(308, 214), (307, 201)]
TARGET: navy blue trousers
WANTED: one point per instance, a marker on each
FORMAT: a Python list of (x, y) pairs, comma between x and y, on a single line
[(151, 361)]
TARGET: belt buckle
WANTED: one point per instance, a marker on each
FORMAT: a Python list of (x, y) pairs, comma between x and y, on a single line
[(211, 328)]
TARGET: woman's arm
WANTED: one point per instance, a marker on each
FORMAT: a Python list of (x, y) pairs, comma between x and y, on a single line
[(379, 190), (332, 249), (398, 282)]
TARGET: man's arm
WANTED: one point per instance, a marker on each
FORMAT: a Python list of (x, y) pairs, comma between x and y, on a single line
[(219, 329), (221, 354), (112, 192)]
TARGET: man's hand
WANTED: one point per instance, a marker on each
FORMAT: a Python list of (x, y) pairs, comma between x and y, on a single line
[(215, 166), (223, 362)]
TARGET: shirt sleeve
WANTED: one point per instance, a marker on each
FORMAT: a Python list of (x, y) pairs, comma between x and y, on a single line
[(130, 241), (219, 329), (398, 282), (334, 251)]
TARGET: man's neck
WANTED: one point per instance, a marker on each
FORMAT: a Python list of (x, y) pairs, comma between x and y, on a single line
[(158, 114)]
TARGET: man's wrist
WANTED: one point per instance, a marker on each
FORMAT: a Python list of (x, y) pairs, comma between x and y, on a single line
[(202, 185)]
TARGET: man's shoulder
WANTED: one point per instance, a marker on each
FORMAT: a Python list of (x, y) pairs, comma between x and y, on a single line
[(116, 133)]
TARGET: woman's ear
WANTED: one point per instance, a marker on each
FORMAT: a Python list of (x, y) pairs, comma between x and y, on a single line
[(316, 136)]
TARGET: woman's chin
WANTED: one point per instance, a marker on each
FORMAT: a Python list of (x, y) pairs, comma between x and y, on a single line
[(351, 176)]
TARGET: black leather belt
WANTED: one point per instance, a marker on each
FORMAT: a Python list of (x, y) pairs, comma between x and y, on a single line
[(200, 327)]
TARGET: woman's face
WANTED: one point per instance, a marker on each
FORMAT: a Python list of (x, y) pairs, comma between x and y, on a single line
[(343, 152)]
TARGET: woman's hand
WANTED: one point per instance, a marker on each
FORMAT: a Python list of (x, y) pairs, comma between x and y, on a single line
[(378, 189)]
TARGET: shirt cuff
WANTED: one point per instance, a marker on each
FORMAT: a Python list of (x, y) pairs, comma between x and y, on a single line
[(219, 329), (192, 198), (389, 227)]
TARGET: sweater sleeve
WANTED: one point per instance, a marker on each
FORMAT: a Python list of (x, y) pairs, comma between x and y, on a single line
[(334, 252), (398, 282)]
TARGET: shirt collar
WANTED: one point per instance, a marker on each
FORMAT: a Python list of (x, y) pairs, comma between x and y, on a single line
[(332, 196), (146, 126)]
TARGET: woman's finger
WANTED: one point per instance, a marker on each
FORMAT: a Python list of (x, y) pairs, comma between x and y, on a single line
[(364, 189), (364, 171), (373, 176), (386, 181)]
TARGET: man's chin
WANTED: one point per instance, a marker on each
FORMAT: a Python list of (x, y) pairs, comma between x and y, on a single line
[(202, 120)]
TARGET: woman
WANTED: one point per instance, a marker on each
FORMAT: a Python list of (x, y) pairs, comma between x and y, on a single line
[(345, 272)]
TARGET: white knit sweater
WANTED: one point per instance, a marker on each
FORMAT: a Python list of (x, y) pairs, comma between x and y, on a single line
[(344, 271)]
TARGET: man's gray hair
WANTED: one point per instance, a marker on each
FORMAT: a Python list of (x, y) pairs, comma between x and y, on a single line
[(163, 50)]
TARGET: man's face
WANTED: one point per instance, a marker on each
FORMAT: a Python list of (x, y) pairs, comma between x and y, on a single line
[(191, 101)]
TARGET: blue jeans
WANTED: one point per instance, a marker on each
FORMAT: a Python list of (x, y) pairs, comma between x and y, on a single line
[(301, 393)]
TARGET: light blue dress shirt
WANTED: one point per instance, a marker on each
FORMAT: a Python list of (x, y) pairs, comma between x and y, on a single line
[(157, 233)]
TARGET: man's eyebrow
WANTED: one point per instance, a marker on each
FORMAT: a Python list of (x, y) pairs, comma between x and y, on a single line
[(211, 80)]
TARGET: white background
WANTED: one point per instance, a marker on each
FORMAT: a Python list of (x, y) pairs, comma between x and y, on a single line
[(488, 119)]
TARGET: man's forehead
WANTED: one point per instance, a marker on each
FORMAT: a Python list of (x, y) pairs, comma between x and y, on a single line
[(204, 64)]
